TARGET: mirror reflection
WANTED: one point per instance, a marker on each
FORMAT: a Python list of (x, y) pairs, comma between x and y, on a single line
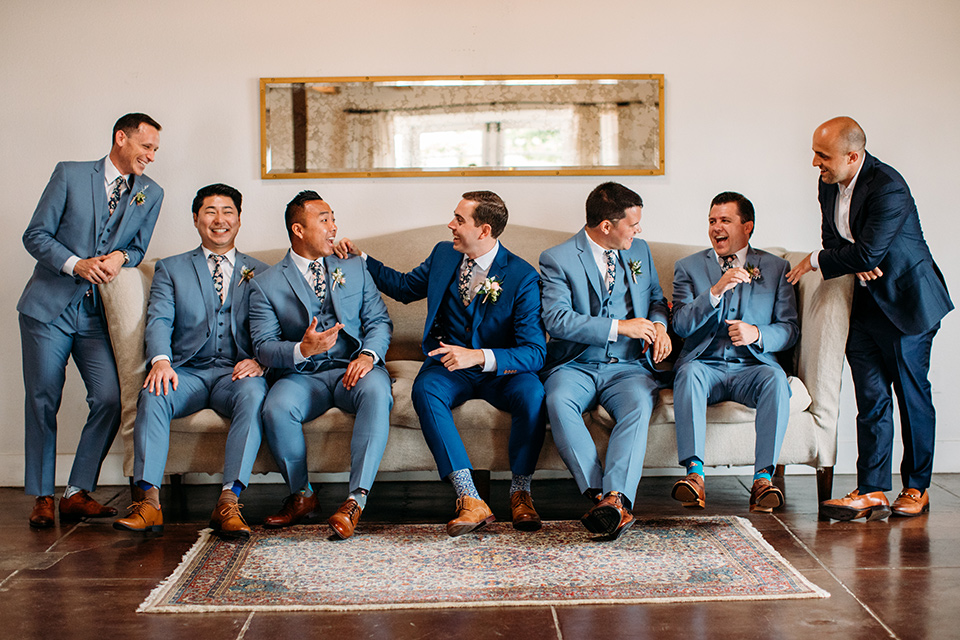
[(415, 126)]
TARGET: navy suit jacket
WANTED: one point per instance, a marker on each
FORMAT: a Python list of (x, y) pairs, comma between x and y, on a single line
[(280, 304), (573, 294), (182, 311), (511, 326), (65, 223), (769, 303), (886, 229)]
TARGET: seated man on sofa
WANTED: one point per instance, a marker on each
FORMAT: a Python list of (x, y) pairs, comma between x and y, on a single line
[(483, 338), (607, 320), (319, 323), (735, 309), (198, 343)]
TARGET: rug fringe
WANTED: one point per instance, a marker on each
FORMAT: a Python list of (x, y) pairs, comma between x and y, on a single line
[(752, 531), (160, 590)]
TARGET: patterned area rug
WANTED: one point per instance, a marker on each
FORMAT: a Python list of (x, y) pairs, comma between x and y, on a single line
[(418, 566)]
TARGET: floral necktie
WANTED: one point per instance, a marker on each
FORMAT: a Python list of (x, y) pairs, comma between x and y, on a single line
[(218, 275), (611, 270), (319, 282), (115, 195), (463, 284)]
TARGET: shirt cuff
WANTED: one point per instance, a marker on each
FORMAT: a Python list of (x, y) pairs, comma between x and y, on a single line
[(614, 331), (298, 356), (371, 353), (157, 359), (69, 265), (714, 300), (489, 361), (815, 260)]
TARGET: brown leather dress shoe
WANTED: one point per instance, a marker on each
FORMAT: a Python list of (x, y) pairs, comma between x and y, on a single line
[(295, 508), (691, 491), (143, 518), (345, 519), (609, 517), (41, 516), (764, 496), (227, 522), (911, 502), (81, 505), (525, 517), (873, 506), (471, 514)]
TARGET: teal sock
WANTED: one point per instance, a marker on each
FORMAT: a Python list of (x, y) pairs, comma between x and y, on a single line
[(307, 491), (694, 465), (462, 480), (762, 473), (360, 495), (520, 483)]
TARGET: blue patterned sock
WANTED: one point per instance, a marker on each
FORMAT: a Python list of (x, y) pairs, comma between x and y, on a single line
[(520, 483), (462, 480), (307, 491), (237, 487), (360, 495), (694, 465), (762, 473)]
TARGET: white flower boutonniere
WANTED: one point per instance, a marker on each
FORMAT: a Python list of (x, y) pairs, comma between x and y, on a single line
[(490, 289), (755, 275), (139, 197), (338, 278), (245, 274), (636, 269)]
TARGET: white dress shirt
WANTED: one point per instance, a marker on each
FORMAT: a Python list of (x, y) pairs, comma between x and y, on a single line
[(841, 214)]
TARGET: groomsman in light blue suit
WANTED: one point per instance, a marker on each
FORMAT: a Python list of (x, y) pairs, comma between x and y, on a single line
[(607, 320), (320, 324), (735, 309), (483, 338), (92, 219), (200, 353)]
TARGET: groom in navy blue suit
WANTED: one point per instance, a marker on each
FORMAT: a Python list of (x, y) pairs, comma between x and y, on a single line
[(200, 353), (483, 338), (871, 228), (92, 219)]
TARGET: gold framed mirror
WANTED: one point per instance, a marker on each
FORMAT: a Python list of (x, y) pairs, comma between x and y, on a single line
[(424, 126)]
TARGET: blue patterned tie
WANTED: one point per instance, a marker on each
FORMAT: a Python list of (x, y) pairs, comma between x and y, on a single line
[(611, 270), (463, 284), (727, 262), (319, 281), (115, 195), (218, 275)]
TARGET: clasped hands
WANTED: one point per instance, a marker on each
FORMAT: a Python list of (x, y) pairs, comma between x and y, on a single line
[(100, 269), (652, 333), (315, 342), (163, 377), (793, 276)]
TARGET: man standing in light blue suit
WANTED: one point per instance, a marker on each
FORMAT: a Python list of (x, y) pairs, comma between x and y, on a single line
[(607, 320), (483, 338), (320, 323), (735, 309), (198, 344), (92, 219)]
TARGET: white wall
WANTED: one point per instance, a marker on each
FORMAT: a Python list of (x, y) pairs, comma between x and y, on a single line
[(747, 81)]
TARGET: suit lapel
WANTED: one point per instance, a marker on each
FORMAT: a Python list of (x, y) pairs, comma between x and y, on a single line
[(297, 282), (331, 263), (746, 290), (497, 270), (860, 191), (235, 290), (208, 294), (590, 265), (99, 195), (441, 275)]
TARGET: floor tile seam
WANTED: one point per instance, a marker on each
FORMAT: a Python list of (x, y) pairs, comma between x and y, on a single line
[(63, 537), (246, 625), (945, 489), (840, 582), (3, 583), (556, 622)]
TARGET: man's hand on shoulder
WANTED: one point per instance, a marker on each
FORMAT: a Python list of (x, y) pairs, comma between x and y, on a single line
[(454, 357), (729, 280), (346, 247), (248, 368), (793, 276), (162, 378), (315, 342)]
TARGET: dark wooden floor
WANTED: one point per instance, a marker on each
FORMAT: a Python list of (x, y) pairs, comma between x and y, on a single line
[(899, 578)]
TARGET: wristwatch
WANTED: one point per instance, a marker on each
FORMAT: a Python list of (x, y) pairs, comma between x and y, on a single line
[(369, 353), (126, 256)]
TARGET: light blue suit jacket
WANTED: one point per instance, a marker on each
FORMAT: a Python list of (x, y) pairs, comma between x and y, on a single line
[(511, 326), (280, 304), (769, 303), (65, 223), (573, 294), (182, 311)]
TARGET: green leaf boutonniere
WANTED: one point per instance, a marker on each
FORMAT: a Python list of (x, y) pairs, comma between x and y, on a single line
[(245, 274), (139, 197), (636, 269), (490, 289), (338, 278), (754, 271)]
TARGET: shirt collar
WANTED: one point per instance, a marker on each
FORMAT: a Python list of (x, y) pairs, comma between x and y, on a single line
[(849, 188), (303, 264), (597, 249), (741, 256), (111, 173), (486, 260), (231, 255)]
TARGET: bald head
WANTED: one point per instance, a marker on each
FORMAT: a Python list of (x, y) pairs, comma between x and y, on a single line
[(839, 146)]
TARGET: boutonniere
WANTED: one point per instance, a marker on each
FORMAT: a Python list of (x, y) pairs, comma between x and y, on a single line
[(338, 278), (139, 197), (245, 274), (755, 275), (490, 289), (636, 269)]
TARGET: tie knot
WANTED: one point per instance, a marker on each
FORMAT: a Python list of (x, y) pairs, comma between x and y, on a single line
[(470, 264), (315, 267), (217, 258), (726, 262)]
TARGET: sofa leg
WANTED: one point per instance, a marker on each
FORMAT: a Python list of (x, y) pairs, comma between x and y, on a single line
[(779, 480), (481, 479), (824, 483)]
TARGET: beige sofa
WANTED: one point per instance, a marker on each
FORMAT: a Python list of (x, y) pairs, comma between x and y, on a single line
[(197, 441)]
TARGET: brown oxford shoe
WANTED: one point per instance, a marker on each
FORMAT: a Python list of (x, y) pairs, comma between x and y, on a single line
[(41, 516), (764, 496), (345, 519), (911, 502), (295, 508), (873, 506), (227, 522), (81, 505), (471, 515), (609, 517), (691, 491), (525, 517), (143, 518)]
